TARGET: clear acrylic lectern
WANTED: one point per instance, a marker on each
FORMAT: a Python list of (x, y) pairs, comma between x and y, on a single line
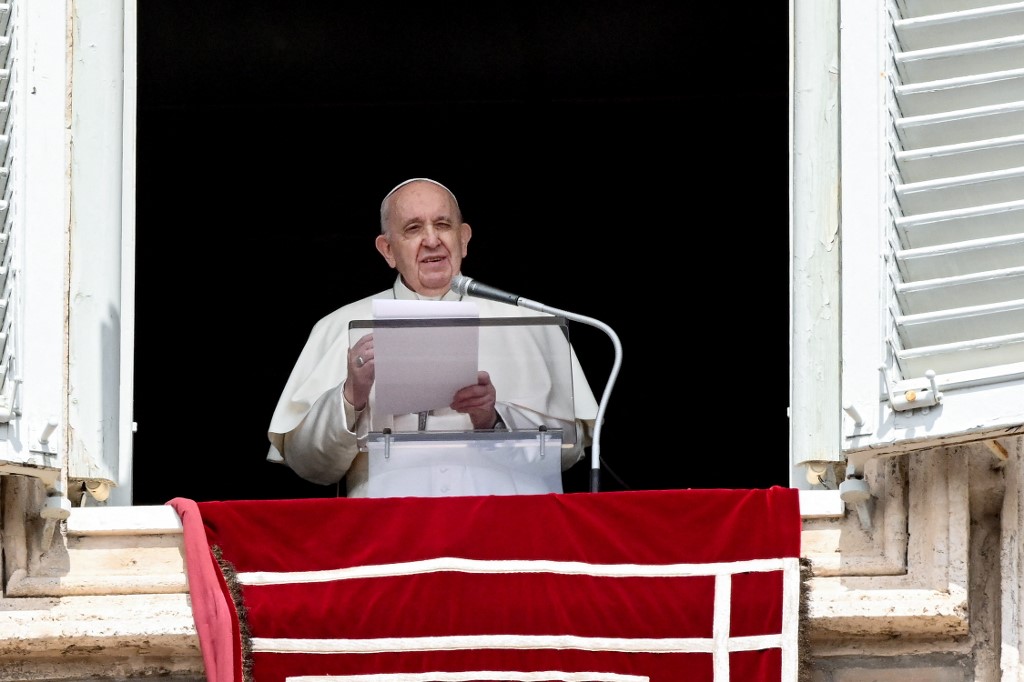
[(419, 447)]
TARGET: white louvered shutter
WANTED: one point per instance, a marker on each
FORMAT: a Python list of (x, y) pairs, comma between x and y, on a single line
[(952, 358), (32, 240), (8, 359)]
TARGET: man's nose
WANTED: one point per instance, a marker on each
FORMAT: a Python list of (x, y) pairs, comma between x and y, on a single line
[(431, 236)]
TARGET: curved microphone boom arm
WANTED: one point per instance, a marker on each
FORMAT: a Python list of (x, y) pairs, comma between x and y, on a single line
[(467, 286)]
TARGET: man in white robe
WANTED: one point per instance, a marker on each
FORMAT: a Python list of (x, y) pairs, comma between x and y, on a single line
[(323, 418)]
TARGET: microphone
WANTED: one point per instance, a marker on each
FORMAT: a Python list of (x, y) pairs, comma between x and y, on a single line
[(467, 286)]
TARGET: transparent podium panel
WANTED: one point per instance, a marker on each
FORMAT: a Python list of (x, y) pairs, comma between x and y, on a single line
[(419, 445), (421, 363), (443, 464)]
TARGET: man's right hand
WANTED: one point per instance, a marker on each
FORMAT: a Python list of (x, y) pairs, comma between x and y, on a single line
[(360, 372)]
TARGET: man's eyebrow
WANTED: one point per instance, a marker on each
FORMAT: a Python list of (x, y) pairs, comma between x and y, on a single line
[(443, 218)]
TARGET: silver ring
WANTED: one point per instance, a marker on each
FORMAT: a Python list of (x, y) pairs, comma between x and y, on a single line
[(359, 361)]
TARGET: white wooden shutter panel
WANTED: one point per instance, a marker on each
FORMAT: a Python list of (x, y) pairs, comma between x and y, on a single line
[(960, 133), (953, 360), (31, 294), (8, 284)]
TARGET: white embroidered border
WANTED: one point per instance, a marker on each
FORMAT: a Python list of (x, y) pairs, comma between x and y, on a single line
[(380, 645), (477, 675), (456, 564), (720, 644)]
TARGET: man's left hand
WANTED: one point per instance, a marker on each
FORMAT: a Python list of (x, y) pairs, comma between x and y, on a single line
[(478, 402)]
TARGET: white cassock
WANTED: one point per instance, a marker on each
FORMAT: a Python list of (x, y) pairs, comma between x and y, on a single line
[(323, 439)]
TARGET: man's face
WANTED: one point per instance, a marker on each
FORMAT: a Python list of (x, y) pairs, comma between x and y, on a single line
[(425, 239)]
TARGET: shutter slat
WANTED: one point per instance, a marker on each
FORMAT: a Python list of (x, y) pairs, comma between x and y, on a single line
[(948, 194), (966, 92), (962, 324), (967, 158), (949, 28), (963, 356), (961, 258), (961, 126), (976, 222), (939, 63), (920, 8), (931, 295)]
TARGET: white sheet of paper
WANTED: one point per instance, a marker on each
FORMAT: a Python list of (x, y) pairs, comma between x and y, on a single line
[(421, 368)]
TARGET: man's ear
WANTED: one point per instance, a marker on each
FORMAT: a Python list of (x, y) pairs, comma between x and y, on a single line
[(467, 233), (384, 246)]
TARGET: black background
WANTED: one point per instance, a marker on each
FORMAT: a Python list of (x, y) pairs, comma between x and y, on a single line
[(626, 161)]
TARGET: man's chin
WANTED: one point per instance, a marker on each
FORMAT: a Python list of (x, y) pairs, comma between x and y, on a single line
[(436, 280)]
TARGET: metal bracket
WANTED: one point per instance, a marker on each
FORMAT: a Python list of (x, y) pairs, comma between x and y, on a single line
[(912, 398), (851, 411), (855, 492)]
